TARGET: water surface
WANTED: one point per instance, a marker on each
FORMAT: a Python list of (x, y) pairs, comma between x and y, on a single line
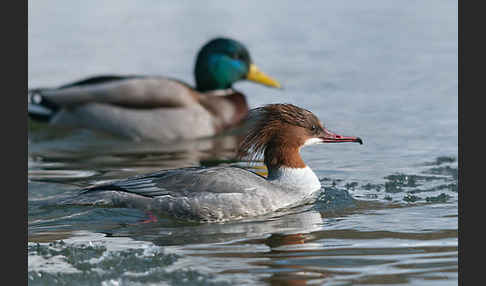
[(384, 71)]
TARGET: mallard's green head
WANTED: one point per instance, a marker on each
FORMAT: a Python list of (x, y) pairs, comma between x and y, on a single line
[(222, 61)]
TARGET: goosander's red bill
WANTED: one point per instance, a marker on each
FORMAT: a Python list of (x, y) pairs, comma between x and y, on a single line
[(330, 137)]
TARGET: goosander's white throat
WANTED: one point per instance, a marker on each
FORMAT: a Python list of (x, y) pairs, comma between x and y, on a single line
[(302, 179)]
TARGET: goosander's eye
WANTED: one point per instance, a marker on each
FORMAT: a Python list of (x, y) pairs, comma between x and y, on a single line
[(313, 128)]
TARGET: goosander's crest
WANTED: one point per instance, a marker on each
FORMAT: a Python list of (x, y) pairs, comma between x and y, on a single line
[(268, 126)]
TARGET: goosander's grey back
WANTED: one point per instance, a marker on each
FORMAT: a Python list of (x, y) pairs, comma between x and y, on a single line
[(202, 194)]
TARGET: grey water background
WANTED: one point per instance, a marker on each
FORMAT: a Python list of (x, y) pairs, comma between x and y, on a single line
[(386, 71)]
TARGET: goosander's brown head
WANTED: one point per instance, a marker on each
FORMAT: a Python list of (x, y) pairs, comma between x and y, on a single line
[(278, 131)]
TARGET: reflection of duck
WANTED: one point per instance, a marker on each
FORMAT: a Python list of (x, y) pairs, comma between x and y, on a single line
[(154, 107), (86, 150), (277, 131), (280, 239), (79, 158)]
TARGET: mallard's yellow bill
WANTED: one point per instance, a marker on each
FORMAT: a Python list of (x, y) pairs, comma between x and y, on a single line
[(258, 76)]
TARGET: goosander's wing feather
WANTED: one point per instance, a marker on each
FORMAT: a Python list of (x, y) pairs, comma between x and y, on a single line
[(187, 182)]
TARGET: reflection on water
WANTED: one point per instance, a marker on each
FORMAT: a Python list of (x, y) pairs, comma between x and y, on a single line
[(84, 154)]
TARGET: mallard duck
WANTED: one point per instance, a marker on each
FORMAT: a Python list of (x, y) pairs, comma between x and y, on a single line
[(144, 107)]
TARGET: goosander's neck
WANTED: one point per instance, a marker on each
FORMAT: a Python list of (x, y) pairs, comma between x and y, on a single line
[(302, 179), (286, 168)]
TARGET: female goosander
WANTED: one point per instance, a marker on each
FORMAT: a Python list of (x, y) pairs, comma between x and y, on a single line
[(276, 131), (155, 107)]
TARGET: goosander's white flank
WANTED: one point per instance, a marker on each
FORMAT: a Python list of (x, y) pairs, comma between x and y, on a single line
[(142, 107), (276, 131)]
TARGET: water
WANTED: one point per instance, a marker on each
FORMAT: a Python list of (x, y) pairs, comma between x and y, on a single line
[(385, 71)]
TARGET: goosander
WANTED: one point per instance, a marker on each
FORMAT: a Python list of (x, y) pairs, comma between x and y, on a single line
[(155, 107), (276, 131)]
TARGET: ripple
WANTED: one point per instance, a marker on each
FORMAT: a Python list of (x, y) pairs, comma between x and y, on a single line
[(94, 259)]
